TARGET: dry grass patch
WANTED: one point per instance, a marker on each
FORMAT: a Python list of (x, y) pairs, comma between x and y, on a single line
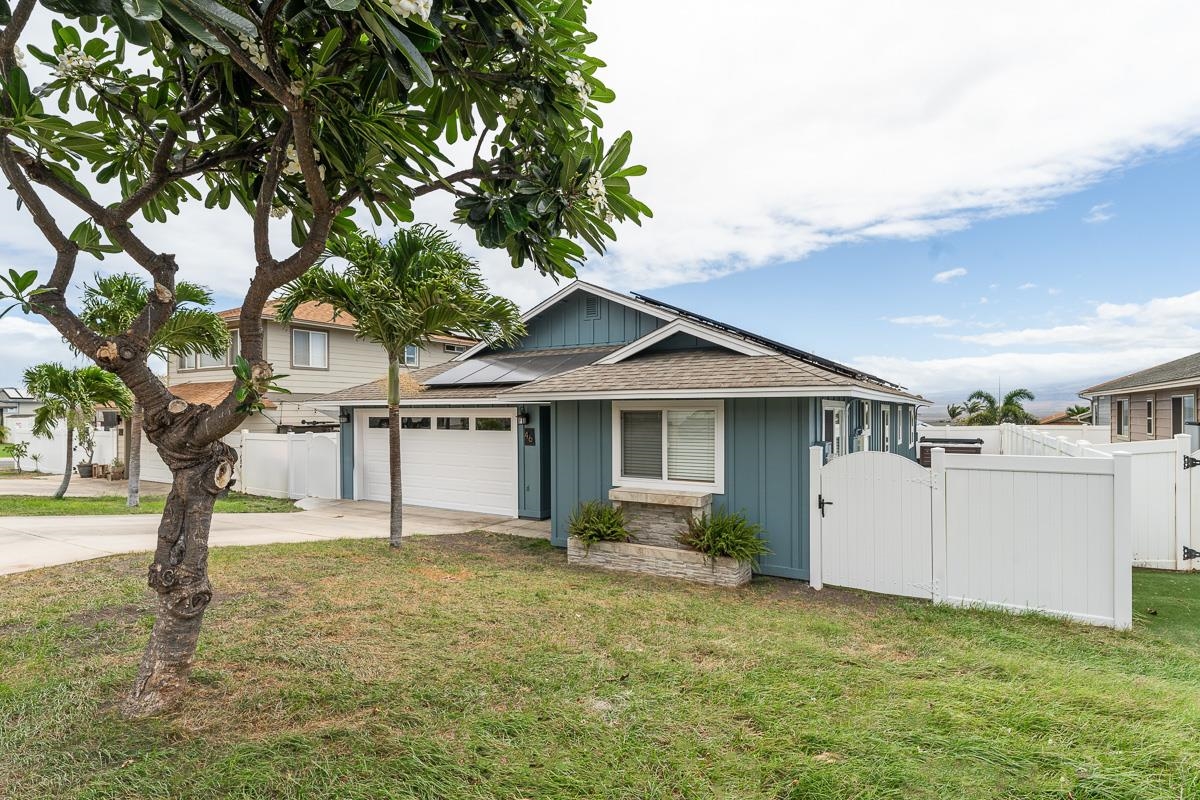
[(480, 666)]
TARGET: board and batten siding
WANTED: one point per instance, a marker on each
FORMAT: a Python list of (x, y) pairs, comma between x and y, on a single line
[(566, 324), (766, 469), (1163, 418)]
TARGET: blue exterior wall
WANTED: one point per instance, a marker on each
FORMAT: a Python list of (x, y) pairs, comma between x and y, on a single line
[(346, 445), (766, 469), (533, 463), (565, 325)]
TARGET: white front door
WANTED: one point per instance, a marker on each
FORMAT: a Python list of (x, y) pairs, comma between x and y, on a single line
[(457, 458), (833, 426)]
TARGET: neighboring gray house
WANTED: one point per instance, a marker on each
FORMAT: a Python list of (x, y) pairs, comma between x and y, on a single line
[(608, 390), (15, 403)]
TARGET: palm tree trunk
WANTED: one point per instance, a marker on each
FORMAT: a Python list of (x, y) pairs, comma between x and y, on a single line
[(66, 481), (396, 522), (179, 576), (133, 465)]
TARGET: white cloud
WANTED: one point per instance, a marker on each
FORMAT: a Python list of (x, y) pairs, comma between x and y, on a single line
[(1053, 291), (983, 301), (1110, 340), (1024, 287), (923, 320), (948, 275), (1099, 213), (956, 374)]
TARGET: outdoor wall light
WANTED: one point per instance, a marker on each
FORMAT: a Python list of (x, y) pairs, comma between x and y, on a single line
[(344, 417), (522, 419)]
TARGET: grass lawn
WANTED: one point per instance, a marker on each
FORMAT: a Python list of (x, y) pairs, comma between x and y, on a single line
[(24, 505), (5, 449), (484, 667)]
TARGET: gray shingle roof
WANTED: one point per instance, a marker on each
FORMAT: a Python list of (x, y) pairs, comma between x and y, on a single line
[(1181, 369), (689, 370)]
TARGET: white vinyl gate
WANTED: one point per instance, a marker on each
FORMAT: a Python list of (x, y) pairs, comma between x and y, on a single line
[(879, 540), (1021, 533)]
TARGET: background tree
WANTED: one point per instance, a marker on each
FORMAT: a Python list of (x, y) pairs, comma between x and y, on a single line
[(1074, 412), (989, 411), (19, 450), (295, 108), (70, 397), (954, 411), (401, 292), (111, 304)]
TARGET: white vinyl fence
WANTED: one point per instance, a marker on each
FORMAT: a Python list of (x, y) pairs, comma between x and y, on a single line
[(1165, 492), (1051, 535), (287, 465), (993, 436), (53, 450)]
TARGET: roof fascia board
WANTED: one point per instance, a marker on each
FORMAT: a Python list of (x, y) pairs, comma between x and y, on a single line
[(695, 329), (567, 291), (856, 393), (1146, 387)]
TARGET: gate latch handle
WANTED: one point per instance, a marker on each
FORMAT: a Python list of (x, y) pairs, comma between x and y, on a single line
[(821, 503)]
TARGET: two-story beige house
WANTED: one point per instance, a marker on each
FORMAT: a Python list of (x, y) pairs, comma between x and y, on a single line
[(318, 353)]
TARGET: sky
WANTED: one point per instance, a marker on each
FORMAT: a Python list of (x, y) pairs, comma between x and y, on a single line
[(950, 195)]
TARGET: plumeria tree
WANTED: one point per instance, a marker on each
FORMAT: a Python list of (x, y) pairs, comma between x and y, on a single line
[(400, 292), (109, 307), (301, 109)]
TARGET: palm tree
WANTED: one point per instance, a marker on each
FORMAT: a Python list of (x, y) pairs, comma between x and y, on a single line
[(111, 305), (1077, 411), (401, 292), (954, 411), (70, 396), (988, 411)]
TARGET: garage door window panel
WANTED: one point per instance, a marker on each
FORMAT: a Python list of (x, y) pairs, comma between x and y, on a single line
[(493, 424), (454, 423), (415, 423)]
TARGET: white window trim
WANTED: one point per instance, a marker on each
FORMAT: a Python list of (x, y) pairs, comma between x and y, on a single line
[(716, 487), (416, 359), (885, 428), (309, 331), (1150, 426), (836, 405)]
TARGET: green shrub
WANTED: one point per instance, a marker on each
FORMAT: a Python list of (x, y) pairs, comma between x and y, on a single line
[(722, 534), (594, 521)]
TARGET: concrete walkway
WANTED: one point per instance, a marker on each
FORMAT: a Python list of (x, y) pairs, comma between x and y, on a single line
[(32, 542)]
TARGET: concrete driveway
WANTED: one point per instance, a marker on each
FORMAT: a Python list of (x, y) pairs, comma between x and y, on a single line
[(32, 542)]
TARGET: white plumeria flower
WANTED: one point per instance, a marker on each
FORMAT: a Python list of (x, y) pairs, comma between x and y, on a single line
[(197, 49), (74, 65), (518, 27), (412, 8), (255, 50), (278, 212), (19, 56), (515, 99), (597, 193), (577, 82), (292, 167), (168, 42)]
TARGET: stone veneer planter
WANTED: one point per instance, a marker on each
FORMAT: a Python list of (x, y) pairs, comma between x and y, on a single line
[(668, 562)]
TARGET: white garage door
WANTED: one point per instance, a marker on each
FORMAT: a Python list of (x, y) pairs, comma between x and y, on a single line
[(462, 458)]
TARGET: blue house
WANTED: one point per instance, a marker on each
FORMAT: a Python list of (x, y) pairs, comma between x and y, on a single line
[(615, 392)]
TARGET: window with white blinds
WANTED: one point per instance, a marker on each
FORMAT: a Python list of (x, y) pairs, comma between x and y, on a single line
[(692, 445), (641, 444), (671, 444)]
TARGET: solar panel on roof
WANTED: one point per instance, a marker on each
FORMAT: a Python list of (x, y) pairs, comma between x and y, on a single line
[(509, 369), (803, 355)]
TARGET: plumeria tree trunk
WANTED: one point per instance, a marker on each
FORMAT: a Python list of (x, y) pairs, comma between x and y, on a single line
[(133, 465), (396, 518), (66, 481), (179, 574)]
